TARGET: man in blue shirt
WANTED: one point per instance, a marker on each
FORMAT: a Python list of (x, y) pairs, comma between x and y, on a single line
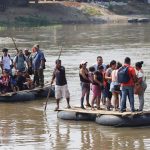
[(38, 64)]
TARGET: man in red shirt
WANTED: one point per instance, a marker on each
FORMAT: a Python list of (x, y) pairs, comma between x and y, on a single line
[(128, 87)]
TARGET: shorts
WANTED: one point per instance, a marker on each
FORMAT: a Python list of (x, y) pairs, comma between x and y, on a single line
[(85, 87), (107, 93), (61, 91), (112, 87), (96, 90)]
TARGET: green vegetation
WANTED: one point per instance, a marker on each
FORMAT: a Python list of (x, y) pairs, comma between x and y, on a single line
[(31, 21), (91, 11), (35, 20)]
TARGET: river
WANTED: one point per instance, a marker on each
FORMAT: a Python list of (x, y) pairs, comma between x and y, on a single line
[(26, 126)]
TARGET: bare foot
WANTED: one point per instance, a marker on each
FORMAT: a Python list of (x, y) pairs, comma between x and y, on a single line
[(56, 109), (92, 108)]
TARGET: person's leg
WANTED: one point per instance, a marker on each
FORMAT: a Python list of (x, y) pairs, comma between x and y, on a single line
[(141, 101), (107, 97), (98, 102), (131, 98), (117, 101), (41, 77), (92, 102), (66, 94), (114, 100), (83, 95), (68, 102), (58, 95), (57, 103), (36, 78), (87, 96), (123, 99)]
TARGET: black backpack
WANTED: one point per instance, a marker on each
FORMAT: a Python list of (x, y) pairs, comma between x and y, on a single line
[(123, 75)]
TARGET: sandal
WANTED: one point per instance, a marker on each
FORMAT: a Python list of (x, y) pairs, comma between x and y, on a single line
[(98, 108), (68, 107), (88, 105), (82, 107)]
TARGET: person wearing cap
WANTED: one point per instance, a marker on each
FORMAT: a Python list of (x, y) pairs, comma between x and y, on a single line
[(38, 66), (6, 61), (20, 61), (85, 83), (61, 87)]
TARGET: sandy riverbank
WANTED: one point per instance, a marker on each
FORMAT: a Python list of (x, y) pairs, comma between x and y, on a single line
[(67, 12)]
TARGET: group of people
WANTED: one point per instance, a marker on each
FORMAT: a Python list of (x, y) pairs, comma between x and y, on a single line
[(111, 84), (16, 72)]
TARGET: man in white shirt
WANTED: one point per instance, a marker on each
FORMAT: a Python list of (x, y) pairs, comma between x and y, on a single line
[(6, 61), (99, 63)]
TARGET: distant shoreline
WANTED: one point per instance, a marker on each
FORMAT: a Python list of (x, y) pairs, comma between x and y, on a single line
[(51, 13)]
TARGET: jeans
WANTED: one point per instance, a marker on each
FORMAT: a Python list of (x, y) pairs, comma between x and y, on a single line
[(127, 91), (141, 96)]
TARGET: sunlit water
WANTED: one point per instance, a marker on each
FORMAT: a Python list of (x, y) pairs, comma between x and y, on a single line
[(27, 126)]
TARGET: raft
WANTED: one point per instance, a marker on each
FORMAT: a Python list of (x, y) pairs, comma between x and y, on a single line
[(106, 118), (28, 95)]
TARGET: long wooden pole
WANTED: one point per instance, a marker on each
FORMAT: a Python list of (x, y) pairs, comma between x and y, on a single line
[(49, 91), (14, 44)]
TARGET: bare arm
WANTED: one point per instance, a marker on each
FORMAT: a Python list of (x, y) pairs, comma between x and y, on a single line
[(15, 66), (95, 80), (53, 77), (106, 75)]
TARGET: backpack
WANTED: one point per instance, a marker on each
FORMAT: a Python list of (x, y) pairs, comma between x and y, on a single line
[(123, 75), (11, 66), (17, 58)]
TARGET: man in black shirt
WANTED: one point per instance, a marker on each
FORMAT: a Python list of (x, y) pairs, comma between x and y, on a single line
[(61, 87)]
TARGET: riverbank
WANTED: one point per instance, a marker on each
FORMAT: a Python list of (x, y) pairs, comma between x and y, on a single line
[(71, 12)]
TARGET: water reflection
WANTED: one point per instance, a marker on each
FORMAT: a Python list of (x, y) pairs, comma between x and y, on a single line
[(75, 135)]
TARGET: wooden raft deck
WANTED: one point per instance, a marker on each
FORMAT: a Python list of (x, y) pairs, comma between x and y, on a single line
[(104, 112)]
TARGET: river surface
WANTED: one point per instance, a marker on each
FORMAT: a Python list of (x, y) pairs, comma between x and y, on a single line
[(26, 126)]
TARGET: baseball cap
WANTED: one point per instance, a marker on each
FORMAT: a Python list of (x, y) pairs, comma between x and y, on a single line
[(83, 62)]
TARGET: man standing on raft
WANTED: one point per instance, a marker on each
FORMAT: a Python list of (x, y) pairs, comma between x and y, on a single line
[(61, 87)]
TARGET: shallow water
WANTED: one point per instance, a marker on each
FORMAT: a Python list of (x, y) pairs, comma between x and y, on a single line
[(26, 126)]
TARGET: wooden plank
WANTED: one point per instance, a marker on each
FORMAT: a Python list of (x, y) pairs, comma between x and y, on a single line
[(104, 112)]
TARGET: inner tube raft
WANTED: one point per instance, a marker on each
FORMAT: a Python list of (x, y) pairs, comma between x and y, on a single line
[(124, 121), (27, 95), (77, 116)]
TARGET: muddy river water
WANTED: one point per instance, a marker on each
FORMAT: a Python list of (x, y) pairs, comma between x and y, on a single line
[(25, 125)]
